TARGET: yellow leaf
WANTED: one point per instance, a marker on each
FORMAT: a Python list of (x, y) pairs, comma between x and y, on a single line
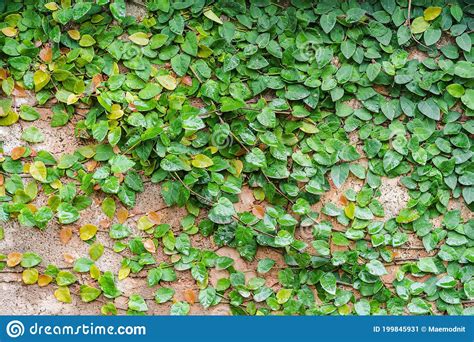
[(52, 6), (431, 13), (144, 223), (63, 295), (9, 119), (31, 189), (139, 38), (30, 276), (239, 166), (56, 184), (74, 34), (97, 18), (419, 25), (94, 272), (259, 194), (87, 232), (212, 16), (116, 112), (349, 210), (87, 40), (40, 79), (38, 171), (167, 81), (204, 51), (202, 161), (123, 272), (71, 99), (9, 31)]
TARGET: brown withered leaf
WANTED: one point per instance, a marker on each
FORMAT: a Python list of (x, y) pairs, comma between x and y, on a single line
[(91, 165), (105, 223), (65, 235), (46, 54), (122, 215)]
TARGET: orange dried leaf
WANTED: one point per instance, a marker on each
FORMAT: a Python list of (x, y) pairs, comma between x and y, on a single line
[(186, 80), (14, 259), (258, 211), (155, 217), (32, 207), (97, 79), (46, 54), (189, 296), (18, 152), (69, 258), (343, 200), (44, 280), (19, 91), (149, 246)]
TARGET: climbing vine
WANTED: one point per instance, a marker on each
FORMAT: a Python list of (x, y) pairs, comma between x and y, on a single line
[(287, 99)]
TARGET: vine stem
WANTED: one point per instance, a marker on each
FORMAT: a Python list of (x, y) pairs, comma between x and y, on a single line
[(409, 27), (264, 175), (235, 217)]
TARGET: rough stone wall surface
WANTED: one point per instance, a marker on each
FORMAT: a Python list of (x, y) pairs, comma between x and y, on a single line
[(16, 298)]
